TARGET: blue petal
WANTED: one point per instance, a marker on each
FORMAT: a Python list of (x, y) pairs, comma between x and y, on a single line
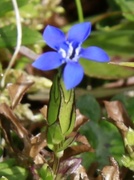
[(94, 53), (53, 37), (48, 61), (72, 75), (79, 32)]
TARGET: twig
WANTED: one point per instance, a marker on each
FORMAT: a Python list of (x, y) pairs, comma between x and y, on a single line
[(18, 43), (79, 10)]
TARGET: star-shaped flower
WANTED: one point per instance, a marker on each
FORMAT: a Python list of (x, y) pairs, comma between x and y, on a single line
[(68, 51)]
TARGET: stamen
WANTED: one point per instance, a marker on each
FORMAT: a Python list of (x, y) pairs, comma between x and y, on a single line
[(77, 50), (72, 53), (70, 50), (63, 52)]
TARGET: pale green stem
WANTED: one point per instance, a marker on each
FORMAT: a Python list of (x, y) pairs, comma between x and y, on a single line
[(79, 10), (56, 165), (18, 43)]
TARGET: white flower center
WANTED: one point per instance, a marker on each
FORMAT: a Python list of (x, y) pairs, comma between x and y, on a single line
[(71, 54)]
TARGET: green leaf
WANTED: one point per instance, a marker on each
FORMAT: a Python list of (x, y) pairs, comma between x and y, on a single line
[(6, 6), (9, 35), (54, 136), (7, 164), (1, 72), (3, 178), (88, 106), (66, 110), (127, 7), (66, 144), (54, 102), (128, 162), (101, 135), (46, 173), (114, 42), (0, 68), (113, 6), (129, 138), (14, 173), (105, 71), (22, 62)]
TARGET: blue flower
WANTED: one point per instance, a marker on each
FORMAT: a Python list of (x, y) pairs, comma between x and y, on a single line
[(68, 51)]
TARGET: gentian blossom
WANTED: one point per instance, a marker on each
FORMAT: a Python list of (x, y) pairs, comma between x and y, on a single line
[(68, 51)]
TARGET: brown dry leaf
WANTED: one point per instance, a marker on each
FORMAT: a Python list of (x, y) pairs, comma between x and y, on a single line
[(7, 117), (82, 139), (38, 143), (118, 116), (80, 120), (111, 172), (17, 90), (80, 173), (5, 130), (73, 169), (7, 112), (82, 147), (43, 111), (91, 171), (69, 166), (32, 147), (75, 150)]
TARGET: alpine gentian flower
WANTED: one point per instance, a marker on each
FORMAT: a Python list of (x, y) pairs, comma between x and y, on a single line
[(68, 51)]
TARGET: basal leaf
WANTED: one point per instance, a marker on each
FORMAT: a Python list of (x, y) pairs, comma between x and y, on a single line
[(105, 71), (115, 43), (99, 132), (101, 135)]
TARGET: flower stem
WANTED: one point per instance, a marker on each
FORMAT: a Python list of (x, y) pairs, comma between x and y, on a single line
[(56, 164), (79, 10), (18, 43)]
